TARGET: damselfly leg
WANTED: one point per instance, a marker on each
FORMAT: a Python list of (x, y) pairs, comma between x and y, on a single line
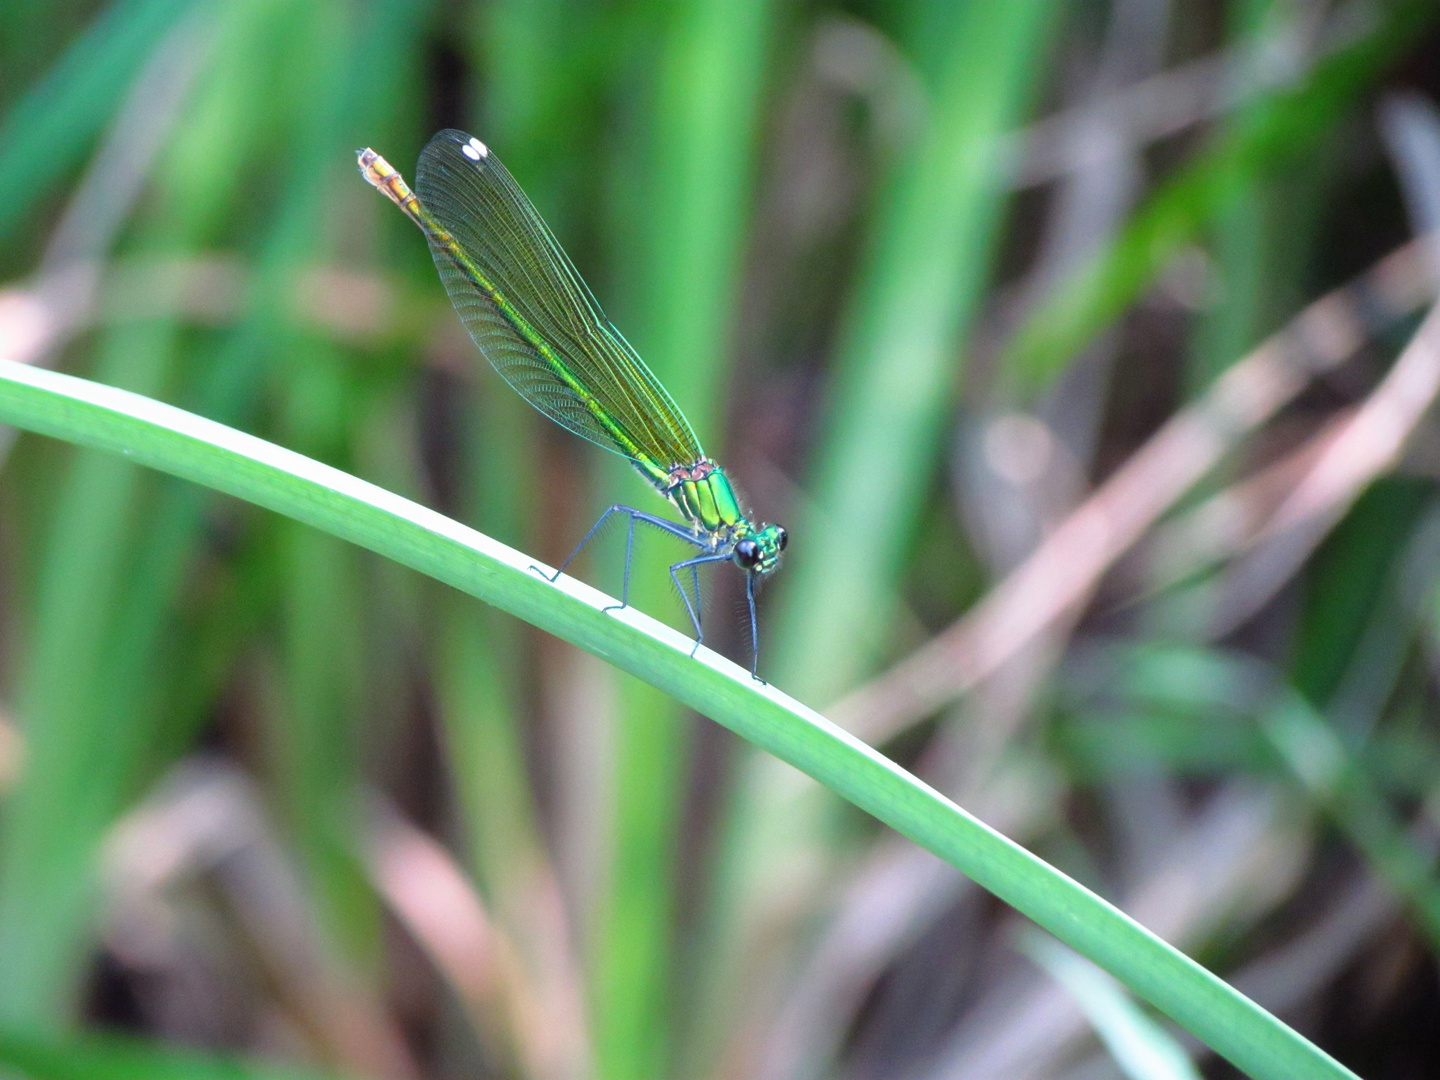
[(754, 629), (634, 515), (693, 565)]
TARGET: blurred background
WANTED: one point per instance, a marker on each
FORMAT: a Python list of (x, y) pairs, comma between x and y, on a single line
[(1079, 345)]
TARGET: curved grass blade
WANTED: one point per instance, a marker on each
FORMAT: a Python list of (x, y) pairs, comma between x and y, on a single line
[(163, 437)]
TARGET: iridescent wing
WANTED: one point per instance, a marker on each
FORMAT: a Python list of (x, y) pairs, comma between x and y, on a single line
[(532, 316)]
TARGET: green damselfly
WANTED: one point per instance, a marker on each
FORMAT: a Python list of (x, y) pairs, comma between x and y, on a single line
[(532, 316)]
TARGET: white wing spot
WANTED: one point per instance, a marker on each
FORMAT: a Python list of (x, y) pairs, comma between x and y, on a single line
[(481, 150), (470, 152)]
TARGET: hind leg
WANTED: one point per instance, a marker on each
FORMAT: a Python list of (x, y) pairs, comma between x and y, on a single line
[(634, 515)]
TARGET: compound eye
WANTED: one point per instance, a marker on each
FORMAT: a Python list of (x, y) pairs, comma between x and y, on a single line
[(747, 554), (781, 537)]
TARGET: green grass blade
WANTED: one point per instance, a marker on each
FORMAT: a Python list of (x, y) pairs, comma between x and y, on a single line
[(108, 601), (85, 616), (1208, 691), (1315, 754), (116, 1058), (1275, 131), (318, 732), (693, 161), (1243, 235), (50, 129), (529, 54), (917, 293), (1142, 1048), (918, 289), (151, 433)]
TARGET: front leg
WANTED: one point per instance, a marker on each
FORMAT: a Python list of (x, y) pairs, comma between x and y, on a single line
[(754, 630), (694, 609)]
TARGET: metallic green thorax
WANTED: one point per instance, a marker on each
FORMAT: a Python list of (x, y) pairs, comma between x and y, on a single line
[(703, 494)]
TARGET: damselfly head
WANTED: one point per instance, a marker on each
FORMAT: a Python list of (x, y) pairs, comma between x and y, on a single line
[(758, 552)]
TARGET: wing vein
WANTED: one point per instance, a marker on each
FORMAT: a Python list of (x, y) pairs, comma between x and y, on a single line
[(534, 319)]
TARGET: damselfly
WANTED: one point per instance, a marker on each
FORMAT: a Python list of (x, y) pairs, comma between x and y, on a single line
[(534, 319)]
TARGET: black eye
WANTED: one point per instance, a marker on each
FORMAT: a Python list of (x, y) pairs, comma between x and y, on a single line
[(747, 554), (781, 537)]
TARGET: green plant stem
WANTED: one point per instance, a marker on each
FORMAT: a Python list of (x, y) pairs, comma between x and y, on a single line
[(918, 288), (105, 628), (50, 129), (1337, 783), (151, 433), (125, 1058), (693, 178), (102, 603), (1272, 132), (917, 292)]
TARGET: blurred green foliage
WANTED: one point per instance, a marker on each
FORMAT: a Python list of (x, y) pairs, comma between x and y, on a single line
[(812, 220)]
